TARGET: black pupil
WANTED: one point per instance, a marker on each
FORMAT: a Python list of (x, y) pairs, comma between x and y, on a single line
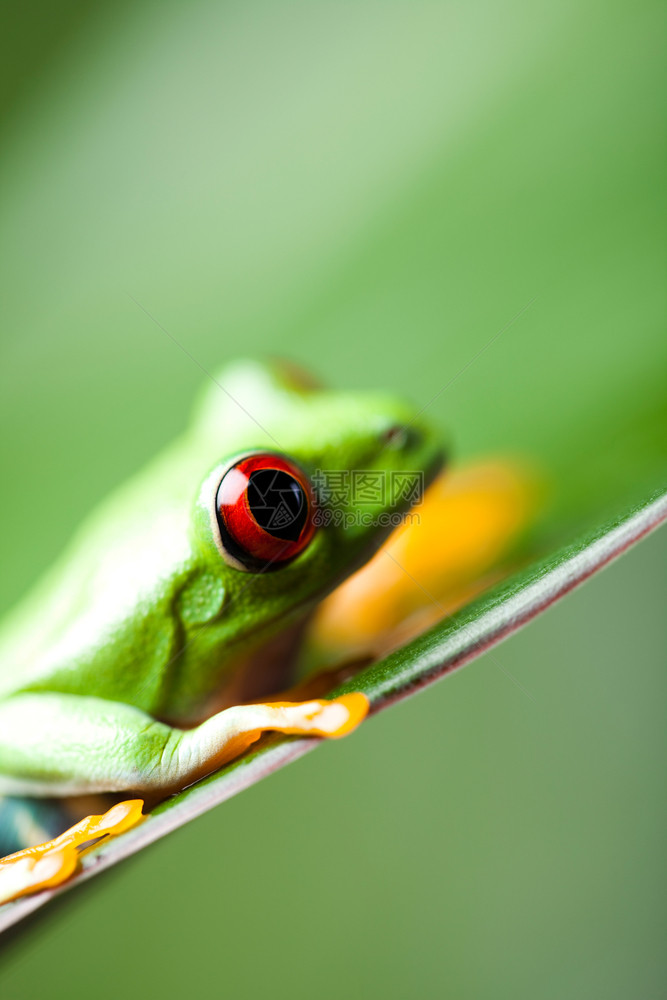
[(278, 503)]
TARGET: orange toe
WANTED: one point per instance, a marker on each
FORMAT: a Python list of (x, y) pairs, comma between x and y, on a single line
[(47, 865)]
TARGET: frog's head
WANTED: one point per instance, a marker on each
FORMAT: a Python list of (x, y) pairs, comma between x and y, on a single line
[(308, 484)]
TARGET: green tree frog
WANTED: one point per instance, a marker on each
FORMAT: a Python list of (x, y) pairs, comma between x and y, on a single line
[(138, 662)]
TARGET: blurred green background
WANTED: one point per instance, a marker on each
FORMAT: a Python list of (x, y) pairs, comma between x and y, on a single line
[(375, 190)]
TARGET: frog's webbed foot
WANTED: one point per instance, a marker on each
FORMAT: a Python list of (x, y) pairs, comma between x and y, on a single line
[(227, 735), (48, 865)]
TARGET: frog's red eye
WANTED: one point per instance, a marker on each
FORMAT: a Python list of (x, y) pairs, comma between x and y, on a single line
[(264, 507)]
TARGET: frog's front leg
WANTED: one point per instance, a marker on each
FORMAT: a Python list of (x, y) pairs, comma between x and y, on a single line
[(55, 744), (58, 744)]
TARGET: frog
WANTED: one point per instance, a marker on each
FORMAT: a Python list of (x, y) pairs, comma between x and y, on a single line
[(150, 654)]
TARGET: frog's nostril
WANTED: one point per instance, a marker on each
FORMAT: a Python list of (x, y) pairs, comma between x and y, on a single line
[(400, 436)]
